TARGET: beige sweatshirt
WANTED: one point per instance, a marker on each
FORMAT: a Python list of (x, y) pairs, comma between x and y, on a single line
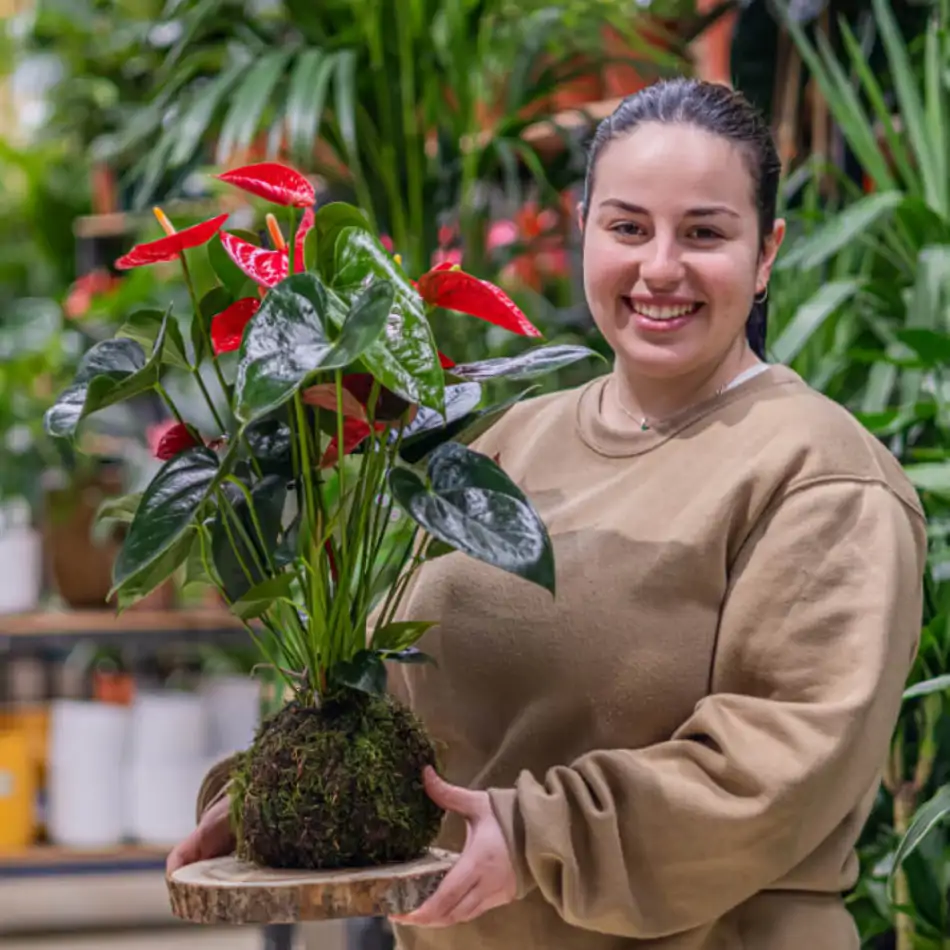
[(682, 747)]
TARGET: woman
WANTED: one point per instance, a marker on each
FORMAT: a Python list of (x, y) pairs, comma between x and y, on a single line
[(680, 750)]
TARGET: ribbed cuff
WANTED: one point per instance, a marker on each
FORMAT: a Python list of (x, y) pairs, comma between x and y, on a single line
[(504, 803), (214, 786)]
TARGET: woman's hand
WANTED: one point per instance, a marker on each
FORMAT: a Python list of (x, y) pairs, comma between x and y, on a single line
[(484, 876), (213, 838)]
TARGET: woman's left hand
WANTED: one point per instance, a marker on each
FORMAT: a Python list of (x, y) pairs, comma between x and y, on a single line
[(483, 877)]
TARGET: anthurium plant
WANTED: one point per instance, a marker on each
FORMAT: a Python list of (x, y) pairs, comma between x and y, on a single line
[(335, 411)]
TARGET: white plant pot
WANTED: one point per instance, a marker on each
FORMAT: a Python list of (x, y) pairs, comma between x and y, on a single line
[(233, 706), (160, 800), (21, 569), (87, 748), (168, 727)]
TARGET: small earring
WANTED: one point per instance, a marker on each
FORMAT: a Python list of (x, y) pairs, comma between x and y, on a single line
[(763, 297)]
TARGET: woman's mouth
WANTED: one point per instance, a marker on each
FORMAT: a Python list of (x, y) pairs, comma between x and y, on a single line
[(662, 317)]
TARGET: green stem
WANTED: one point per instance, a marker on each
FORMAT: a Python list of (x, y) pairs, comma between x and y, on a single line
[(207, 398), (223, 502), (205, 332), (170, 403), (249, 498), (310, 515)]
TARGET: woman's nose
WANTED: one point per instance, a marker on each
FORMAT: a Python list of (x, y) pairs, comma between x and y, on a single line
[(661, 265)]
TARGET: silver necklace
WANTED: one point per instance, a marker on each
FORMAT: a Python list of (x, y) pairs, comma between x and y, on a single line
[(642, 421)]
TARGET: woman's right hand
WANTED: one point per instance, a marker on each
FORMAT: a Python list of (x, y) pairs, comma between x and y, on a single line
[(213, 838)]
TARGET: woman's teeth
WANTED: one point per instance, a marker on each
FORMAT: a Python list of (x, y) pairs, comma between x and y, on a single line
[(663, 313)]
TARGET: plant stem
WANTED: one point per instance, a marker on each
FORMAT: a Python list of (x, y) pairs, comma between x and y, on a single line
[(249, 498), (208, 399), (205, 333), (170, 403)]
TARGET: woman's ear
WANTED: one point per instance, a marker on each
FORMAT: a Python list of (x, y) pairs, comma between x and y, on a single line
[(770, 250)]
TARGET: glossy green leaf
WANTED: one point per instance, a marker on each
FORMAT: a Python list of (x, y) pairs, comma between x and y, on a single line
[(938, 684), (119, 510), (144, 326), (143, 582), (328, 221), (364, 324), (810, 317), (260, 598), (537, 361), (399, 635), (924, 821), (429, 429), (270, 443), (409, 656), (239, 565), (471, 504), (110, 372), (840, 230), (196, 571), (169, 506), (365, 672), (284, 345), (406, 360)]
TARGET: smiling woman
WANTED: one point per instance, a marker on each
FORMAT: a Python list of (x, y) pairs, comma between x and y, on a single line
[(679, 751)]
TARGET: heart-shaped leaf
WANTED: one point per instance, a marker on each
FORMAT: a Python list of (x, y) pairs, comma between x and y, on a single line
[(156, 573), (284, 345), (471, 504), (144, 326), (110, 372), (534, 362), (405, 360), (168, 507), (328, 222), (430, 429), (233, 558), (365, 672), (399, 635), (269, 440)]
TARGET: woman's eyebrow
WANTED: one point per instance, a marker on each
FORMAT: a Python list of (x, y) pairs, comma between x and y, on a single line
[(705, 212)]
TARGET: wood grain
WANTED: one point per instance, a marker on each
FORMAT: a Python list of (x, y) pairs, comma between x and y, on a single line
[(227, 890)]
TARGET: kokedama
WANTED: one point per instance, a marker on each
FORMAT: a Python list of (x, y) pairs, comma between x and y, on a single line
[(340, 465)]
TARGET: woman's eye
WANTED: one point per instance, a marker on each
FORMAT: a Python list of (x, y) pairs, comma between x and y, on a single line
[(627, 229), (705, 234)]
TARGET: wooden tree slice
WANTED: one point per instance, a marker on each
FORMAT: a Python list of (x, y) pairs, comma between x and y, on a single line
[(230, 891)]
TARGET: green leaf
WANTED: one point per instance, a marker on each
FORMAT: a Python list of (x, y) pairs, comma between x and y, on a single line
[(365, 672), (840, 230), (287, 343), (933, 348), (930, 476), (924, 821), (429, 429), (534, 362), (328, 222), (119, 510), (270, 443), (474, 506), (155, 573), (306, 98), (110, 372), (235, 566), (144, 326), (213, 302), (399, 635), (260, 598), (195, 570), (406, 360), (810, 317), (939, 684), (248, 104), (409, 656), (365, 322), (195, 122), (169, 506)]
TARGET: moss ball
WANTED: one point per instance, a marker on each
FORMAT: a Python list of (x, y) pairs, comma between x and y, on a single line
[(339, 786)]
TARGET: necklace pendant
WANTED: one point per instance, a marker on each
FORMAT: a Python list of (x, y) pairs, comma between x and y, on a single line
[(644, 425)]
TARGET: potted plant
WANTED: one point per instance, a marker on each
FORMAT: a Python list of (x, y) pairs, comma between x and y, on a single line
[(335, 412)]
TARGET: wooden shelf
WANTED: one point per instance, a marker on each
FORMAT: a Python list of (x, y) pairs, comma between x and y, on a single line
[(82, 623), (50, 861), (546, 133)]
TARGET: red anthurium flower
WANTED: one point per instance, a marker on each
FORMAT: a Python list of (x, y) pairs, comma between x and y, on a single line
[(274, 182), (355, 431), (227, 327), (172, 438), (447, 286), (268, 268), (171, 246), (445, 362), (323, 396)]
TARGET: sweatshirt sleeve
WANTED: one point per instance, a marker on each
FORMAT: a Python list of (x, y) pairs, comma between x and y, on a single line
[(817, 635)]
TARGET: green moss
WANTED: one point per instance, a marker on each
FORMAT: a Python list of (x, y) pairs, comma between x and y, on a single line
[(336, 786)]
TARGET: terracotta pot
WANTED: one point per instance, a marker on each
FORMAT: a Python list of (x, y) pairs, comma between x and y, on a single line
[(79, 568)]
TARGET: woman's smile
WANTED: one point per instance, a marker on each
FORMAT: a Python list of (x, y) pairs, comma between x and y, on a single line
[(661, 314)]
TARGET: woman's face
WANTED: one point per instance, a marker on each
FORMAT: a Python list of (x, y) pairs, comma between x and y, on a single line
[(672, 251)]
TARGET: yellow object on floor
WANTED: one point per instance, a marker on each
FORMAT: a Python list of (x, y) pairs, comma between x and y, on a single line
[(17, 790)]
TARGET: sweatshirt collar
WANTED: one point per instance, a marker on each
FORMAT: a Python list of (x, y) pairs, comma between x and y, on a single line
[(621, 442)]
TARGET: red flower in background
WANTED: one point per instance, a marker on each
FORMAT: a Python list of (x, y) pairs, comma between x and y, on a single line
[(82, 291), (172, 245), (540, 232), (273, 182), (169, 438), (227, 327), (447, 286), (355, 432), (267, 267)]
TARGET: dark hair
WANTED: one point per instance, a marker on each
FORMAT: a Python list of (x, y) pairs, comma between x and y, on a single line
[(722, 111)]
